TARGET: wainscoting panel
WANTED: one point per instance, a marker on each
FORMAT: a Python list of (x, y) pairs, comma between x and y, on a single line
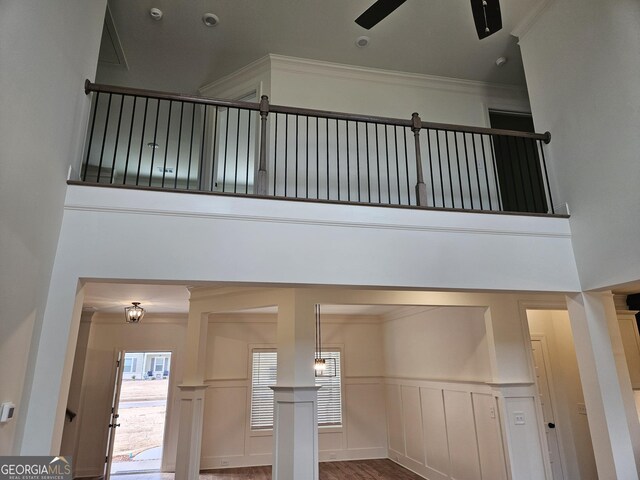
[(445, 430)]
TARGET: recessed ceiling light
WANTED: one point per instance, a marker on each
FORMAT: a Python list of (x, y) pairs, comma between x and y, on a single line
[(155, 13), (210, 20), (362, 41), (501, 61)]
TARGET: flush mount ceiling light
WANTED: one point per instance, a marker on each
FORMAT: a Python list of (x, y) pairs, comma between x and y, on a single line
[(362, 41), (155, 13), (152, 145), (210, 20), (501, 61), (134, 313)]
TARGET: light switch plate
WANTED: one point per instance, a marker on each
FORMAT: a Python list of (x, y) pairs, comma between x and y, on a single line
[(518, 418)]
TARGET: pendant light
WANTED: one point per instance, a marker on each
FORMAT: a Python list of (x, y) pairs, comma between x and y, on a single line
[(134, 313), (321, 365)]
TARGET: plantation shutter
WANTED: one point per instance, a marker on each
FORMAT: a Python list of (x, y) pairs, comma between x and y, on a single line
[(265, 369), (264, 375)]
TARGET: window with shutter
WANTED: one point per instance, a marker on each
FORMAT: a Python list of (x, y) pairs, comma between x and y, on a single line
[(264, 375)]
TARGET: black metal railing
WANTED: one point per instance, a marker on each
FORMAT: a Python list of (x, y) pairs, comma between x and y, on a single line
[(183, 142)]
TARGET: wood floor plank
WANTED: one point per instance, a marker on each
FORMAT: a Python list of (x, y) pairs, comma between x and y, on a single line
[(380, 469)]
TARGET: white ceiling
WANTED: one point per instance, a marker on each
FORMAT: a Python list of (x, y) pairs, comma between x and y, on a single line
[(179, 53)]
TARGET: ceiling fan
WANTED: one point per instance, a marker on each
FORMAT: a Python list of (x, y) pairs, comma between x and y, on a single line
[(486, 15)]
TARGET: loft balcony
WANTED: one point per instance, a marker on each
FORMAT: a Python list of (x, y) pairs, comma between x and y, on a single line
[(155, 140)]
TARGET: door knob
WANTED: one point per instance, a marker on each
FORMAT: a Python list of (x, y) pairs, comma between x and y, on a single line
[(551, 425)]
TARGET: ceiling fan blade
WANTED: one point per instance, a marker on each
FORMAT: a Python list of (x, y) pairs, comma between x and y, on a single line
[(377, 12), (486, 16)]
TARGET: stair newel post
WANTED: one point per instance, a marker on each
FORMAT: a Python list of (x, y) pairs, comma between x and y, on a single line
[(262, 169), (421, 188)]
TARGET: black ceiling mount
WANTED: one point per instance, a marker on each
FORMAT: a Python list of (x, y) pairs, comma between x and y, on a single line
[(486, 15)]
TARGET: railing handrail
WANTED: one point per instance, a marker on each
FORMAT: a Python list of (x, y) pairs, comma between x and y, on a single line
[(181, 97)]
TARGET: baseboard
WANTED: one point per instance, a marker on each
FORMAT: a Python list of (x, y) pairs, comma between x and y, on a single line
[(237, 461), (416, 467)]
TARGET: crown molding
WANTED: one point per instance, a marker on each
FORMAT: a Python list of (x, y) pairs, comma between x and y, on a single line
[(525, 25), (393, 77), (252, 70), (149, 318)]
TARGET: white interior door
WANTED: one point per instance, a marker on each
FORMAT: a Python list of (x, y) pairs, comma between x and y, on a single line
[(544, 391)]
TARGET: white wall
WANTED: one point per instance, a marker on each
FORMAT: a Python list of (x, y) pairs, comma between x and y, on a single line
[(582, 69), (573, 426), (109, 333), (227, 436), (443, 419), (44, 64)]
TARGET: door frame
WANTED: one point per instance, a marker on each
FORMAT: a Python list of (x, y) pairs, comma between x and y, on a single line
[(546, 358), (170, 394)]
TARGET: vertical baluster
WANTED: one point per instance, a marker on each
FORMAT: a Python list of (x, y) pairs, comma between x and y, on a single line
[(226, 149), (155, 139), (348, 166), (455, 138), (327, 142), (486, 173), (318, 158), (214, 150), (126, 163), (358, 159), (235, 173), (495, 171), (175, 178), (115, 147), (93, 124), (395, 138), (142, 133), (368, 161), (421, 188), (432, 185), (446, 139), (406, 164), (262, 167), (297, 144), (286, 151), (246, 175), (386, 154), (475, 162), (546, 175), (202, 144), (275, 158), (378, 162), (440, 167), (166, 144), (104, 138), (193, 125), (338, 159), (540, 188), (466, 156), (510, 174), (306, 123)]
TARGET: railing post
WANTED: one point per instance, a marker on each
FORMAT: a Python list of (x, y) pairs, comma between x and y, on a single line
[(421, 188), (262, 169)]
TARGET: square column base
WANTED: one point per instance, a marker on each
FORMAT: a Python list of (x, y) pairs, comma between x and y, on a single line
[(295, 433), (190, 431)]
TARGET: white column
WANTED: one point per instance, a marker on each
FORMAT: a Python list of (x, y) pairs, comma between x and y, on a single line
[(514, 386), (192, 396), (605, 383), (295, 423)]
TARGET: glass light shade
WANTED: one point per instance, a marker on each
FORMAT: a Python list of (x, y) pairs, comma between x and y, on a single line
[(319, 365), (134, 313)]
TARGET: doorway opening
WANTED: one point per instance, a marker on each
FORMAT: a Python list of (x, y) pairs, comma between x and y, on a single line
[(137, 426)]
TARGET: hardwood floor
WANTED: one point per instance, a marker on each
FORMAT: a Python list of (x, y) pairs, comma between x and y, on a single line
[(381, 469)]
